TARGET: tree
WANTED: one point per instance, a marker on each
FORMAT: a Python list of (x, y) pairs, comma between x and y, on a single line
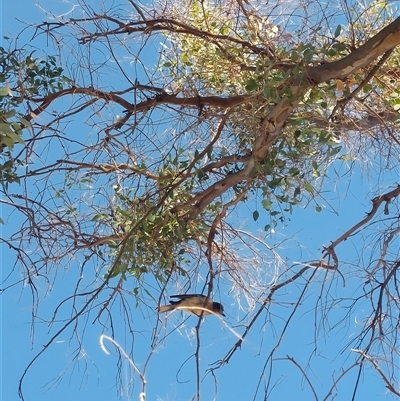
[(135, 149)]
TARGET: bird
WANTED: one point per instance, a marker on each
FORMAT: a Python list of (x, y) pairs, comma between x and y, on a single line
[(198, 304)]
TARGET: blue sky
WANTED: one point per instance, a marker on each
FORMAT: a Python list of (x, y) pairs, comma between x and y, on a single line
[(64, 372)]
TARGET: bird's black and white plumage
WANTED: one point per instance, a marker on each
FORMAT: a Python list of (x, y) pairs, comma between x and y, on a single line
[(197, 304)]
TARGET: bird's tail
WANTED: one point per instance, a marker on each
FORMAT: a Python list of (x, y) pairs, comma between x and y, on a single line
[(165, 308)]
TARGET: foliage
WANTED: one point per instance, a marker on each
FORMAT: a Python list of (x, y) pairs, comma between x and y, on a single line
[(22, 77)]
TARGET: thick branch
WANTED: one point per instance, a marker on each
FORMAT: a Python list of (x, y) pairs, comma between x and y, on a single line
[(384, 41), (198, 101), (387, 39)]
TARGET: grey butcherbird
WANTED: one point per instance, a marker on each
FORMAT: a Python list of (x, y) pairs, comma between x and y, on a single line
[(197, 304)]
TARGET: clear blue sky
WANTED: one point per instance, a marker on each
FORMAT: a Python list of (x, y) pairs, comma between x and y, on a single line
[(62, 374)]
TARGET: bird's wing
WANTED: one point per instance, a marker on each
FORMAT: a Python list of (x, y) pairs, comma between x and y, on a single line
[(185, 296)]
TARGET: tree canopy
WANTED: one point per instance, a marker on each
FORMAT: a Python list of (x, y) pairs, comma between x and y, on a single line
[(159, 148)]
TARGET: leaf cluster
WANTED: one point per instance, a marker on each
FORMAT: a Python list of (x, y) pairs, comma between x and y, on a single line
[(23, 76)]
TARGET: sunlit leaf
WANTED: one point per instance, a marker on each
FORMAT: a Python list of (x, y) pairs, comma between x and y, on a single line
[(5, 91), (309, 188), (338, 30), (266, 204)]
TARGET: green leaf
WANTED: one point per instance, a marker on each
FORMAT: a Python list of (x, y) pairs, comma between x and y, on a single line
[(285, 76), (9, 114), (98, 217), (5, 129), (335, 151), (293, 171), (17, 128), (308, 55), (318, 208), (315, 169), (338, 30), (339, 46), (294, 56), (367, 88), (7, 165), (9, 138), (225, 30), (346, 158), (13, 136), (275, 182), (26, 123), (266, 204), (185, 57), (5, 91), (309, 188), (114, 271), (324, 138), (256, 215), (251, 85), (151, 217)]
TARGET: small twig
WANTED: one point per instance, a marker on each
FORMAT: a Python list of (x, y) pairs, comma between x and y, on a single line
[(376, 203), (304, 375), (389, 385)]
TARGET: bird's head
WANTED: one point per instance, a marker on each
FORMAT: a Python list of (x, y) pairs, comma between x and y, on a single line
[(218, 308)]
